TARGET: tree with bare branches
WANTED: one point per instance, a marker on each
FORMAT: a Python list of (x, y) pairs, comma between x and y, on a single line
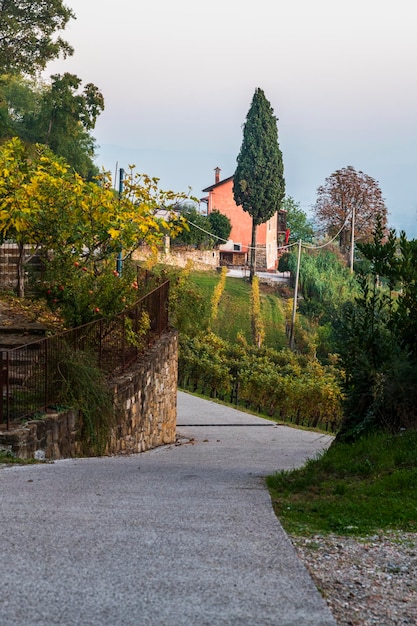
[(348, 204)]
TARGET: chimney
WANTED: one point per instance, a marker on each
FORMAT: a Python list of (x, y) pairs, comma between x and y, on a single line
[(217, 171)]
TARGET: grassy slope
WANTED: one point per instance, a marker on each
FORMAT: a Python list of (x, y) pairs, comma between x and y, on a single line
[(357, 488), (273, 319), (234, 309)]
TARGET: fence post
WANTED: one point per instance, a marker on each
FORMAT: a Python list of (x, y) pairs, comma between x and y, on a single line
[(1, 388), (46, 372), (167, 293), (100, 349), (123, 340), (4, 388), (160, 311), (136, 328)]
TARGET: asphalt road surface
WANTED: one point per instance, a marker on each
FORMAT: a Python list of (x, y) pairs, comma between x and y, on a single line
[(180, 535)]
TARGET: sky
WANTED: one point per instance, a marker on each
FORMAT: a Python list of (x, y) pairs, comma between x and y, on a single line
[(178, 79)]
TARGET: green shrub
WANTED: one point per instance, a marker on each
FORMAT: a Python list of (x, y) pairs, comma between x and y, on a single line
[(84, 387), (217, 294), (258, 330), (80, 294), (280, 384)]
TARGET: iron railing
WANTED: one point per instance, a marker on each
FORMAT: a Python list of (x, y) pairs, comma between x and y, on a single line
[(30, 377)]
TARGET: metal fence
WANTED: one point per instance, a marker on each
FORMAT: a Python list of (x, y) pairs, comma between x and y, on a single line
[(30, 376)]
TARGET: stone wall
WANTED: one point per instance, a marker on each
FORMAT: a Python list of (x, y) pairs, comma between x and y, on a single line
[(145, 405), (9, 256), (9, 259), (181, 257), (147, 397), (261, 263), (53, 437)]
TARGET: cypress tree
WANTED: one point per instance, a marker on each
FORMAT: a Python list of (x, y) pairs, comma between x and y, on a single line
[(258, 183)]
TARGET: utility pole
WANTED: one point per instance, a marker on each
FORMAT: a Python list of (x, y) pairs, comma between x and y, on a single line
[(294, 307), (119, 264), (352, 239)]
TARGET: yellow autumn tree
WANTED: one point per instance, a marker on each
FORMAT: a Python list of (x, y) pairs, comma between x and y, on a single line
[(46, 205)]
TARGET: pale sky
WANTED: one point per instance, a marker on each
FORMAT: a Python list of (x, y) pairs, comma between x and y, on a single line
[(178, 79)]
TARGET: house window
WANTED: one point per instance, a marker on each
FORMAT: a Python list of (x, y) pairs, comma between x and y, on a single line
[(236, 247)]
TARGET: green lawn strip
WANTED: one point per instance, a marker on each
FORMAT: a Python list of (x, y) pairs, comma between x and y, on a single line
[(273, 319), (206, 281), (351, 489), (234, 307), (234, 311)]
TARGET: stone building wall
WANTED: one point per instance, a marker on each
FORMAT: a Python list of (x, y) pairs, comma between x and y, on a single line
[(146, 410), (261, 254)]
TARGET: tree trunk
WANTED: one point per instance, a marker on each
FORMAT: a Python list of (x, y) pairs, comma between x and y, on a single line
[(253, 252), (21, 271), (48, 132)]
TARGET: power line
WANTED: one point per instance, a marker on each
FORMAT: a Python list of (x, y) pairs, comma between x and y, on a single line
[(207, 231), (286, 246), (226, 240)]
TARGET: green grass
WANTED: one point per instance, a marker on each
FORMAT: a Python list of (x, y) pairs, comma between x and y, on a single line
[(206, 281), (234, 309), (273, 319), (357, 488), (8, 458)]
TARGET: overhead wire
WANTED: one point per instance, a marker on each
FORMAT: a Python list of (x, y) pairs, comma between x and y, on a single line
[(226, 240), (286, 246)]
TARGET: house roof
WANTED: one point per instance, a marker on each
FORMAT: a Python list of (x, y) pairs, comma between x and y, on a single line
[(221, 182)]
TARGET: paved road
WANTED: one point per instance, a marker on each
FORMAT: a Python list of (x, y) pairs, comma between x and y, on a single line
[(280, 277), (179, 536)]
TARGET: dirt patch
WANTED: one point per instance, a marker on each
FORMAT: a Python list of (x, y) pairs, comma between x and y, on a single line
[(24, 321), (23, 312)]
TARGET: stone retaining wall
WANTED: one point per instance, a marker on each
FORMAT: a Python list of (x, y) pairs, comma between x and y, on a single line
[(147, 395), (146, 409)]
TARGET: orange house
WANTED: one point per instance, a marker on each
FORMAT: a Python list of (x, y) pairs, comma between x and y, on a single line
[(220, 198)]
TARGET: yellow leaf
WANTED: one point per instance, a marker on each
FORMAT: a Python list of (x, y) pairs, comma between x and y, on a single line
[(114, 233)]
